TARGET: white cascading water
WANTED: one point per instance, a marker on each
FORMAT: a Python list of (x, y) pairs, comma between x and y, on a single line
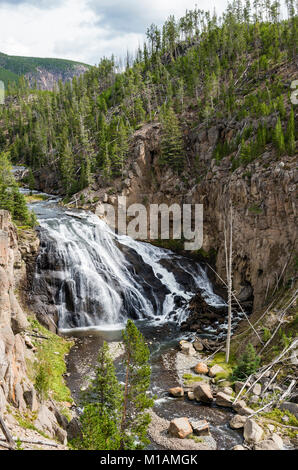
[(99, 279)]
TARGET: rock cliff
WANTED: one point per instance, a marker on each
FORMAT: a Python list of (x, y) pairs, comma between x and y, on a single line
[(13, 379), (24, 414), (47, 79), (263, 195)]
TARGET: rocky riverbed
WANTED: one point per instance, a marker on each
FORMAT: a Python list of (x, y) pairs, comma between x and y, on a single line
[(168, 367)]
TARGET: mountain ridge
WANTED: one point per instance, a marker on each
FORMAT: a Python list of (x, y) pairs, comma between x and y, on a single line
[(44, 72)]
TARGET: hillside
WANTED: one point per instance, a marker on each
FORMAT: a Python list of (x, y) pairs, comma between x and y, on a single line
[(205, 104), (45, 73), (202, 113)]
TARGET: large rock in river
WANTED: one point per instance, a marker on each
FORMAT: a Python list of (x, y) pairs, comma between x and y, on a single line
[(253, 433), (180, 427), (176, 392), (203, 393), (201, 368)]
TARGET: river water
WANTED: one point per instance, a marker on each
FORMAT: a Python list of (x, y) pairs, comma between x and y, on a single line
[(97, 279)]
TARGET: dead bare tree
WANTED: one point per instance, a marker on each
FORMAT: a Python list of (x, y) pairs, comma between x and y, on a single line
[(228, 233)]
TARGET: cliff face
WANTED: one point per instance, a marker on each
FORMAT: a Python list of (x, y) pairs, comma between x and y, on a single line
[(13, 379), (19, 400), (45, 73), (47, 79), (263, 195)]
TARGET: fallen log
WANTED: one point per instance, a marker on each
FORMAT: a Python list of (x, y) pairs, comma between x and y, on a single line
[(29, 441)]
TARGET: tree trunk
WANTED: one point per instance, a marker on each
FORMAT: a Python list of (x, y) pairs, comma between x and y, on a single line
[(123, 421), (7, 434), (229, 257)]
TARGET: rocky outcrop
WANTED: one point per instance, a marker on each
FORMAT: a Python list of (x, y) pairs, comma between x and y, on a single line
[(13, 378), (262, 194), (46, 78), (16, 348)]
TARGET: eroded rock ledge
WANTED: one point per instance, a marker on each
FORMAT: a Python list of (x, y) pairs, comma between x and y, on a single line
[(18, 396)]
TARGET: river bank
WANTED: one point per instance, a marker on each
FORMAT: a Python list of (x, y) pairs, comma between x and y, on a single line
[(173, 280), (167, 371)]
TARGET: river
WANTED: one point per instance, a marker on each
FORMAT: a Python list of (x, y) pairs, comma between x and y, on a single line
[(97, 279)]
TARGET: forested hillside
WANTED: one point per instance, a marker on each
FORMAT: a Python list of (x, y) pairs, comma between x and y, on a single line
[(35, 69), (201, 68)]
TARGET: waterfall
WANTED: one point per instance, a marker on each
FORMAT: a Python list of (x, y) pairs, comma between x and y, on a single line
[(97, 278)]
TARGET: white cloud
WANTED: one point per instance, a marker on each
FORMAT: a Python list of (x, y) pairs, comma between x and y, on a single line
[(84, 30)]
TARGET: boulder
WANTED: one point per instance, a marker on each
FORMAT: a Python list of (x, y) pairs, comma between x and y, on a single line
[(47, 423), (198, 345), (242, 409), (19, 320), (190, 396), (254, 399), (203, 393), (238, 386), (257, 389), (73, 429), (291, 407), (228, 390), (216, 369), (222, 399), (267, 444), (201, 368), (238, 422), (176, 392), (61, 419), (61, 435), (239, 447), (253, 433), (200, 428), (270, 427), (278, 440), (19, 398), (30, 398), (29, 344), (187, 348), (180, 427)]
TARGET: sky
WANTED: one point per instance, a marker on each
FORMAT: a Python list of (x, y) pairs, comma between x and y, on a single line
[(85, 30)]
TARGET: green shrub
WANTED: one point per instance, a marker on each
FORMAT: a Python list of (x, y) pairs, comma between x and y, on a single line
[(266, 335), (42, 380), (247, 364)]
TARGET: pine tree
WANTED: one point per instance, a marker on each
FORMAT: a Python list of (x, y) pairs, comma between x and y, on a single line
[(31, 181), (20, 210), (279, 137), (67, 167), (172, 151), (247, 364), (136, 403), (100, 421)]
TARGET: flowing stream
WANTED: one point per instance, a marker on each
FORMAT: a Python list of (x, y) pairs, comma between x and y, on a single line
[(98, 279)]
